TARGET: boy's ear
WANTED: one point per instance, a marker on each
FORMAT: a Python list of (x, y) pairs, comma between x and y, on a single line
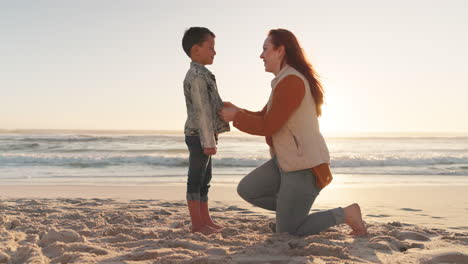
[(194, 50)]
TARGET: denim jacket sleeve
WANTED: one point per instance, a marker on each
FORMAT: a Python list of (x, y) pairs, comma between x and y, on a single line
[(202, 108)]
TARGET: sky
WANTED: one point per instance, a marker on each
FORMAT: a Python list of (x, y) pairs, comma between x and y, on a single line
[(386, 66)]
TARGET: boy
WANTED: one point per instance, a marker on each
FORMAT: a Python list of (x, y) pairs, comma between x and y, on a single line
[(203, 124)]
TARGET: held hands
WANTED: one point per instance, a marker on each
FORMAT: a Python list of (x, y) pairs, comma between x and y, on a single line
[(209, 151), (229, 104), (228, 112)]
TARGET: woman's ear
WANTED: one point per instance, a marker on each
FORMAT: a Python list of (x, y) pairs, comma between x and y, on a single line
[(281, 51)]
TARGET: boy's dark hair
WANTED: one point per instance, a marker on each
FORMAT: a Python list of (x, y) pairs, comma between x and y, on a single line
[(195, 35)]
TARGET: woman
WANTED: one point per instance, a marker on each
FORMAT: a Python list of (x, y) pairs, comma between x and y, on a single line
[(298, 170)]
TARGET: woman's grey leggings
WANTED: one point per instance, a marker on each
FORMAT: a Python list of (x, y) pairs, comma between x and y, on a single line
[(291, 195)]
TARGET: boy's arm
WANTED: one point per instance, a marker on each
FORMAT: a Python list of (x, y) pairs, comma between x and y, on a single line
[(201, 106)]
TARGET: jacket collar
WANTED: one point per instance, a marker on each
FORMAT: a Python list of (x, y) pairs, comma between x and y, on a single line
[(284, 71), (199, 66)]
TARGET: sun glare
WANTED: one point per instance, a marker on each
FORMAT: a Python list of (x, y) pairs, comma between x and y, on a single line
[(335, 115)]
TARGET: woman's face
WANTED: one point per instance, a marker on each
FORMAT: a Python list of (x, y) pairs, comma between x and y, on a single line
[(271, 57)]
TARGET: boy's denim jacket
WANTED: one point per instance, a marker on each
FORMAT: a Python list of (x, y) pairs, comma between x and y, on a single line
[(203, 103)]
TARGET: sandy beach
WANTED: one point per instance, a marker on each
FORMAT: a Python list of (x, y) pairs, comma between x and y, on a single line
[(109, 106), (150, 224)]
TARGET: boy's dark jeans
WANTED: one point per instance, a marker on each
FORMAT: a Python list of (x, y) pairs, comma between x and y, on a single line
[(199, 171)]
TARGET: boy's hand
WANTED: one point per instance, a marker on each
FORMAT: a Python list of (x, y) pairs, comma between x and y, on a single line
[(209, 151)]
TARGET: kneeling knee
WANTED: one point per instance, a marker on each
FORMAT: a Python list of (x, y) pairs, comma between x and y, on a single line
[(240, 191)]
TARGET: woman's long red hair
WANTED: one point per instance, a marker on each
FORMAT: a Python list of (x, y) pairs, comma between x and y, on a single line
[(294, 57)]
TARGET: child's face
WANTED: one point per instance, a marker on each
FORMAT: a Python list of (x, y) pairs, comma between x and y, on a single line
[(204, 53)]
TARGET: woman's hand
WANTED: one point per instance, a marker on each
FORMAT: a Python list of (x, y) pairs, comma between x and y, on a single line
[(228, 113), (229, 104)]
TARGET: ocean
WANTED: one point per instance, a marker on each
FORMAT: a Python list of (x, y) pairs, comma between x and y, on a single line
[(128, 158)]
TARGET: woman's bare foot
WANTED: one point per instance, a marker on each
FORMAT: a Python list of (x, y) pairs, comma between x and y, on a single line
[(206, 230), (354, 219)]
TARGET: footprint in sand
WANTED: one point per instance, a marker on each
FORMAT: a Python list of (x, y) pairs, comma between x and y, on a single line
[(461, 239), (388, 243), (396, 224), (380, 215), (235, 208), (180, 243), (168, 204), (26, 254), (412, 235), (417, 245), (177, 224), (216, 209), (90, 204), (66, 236), (73, 201), (32, 202), (4, 258), (449, 257), (162, 212), (108, 200), (117, 239), (460, 227), (229, 232), (216, 251), (143, 200), (411, 209), (148, 254), (59, 249), (247, 212), (259, 215), (318, 249)]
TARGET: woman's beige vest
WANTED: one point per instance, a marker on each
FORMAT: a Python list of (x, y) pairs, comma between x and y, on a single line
[(299, 144)]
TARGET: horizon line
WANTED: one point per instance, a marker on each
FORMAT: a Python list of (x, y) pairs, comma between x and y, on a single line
[(180, 131)]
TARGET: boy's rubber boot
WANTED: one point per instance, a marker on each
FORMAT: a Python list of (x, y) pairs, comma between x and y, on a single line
[(197, 223), (205, 215)]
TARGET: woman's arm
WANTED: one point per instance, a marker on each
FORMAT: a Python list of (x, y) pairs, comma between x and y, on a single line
[(231, 105), (286, 99), (260, 113)]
